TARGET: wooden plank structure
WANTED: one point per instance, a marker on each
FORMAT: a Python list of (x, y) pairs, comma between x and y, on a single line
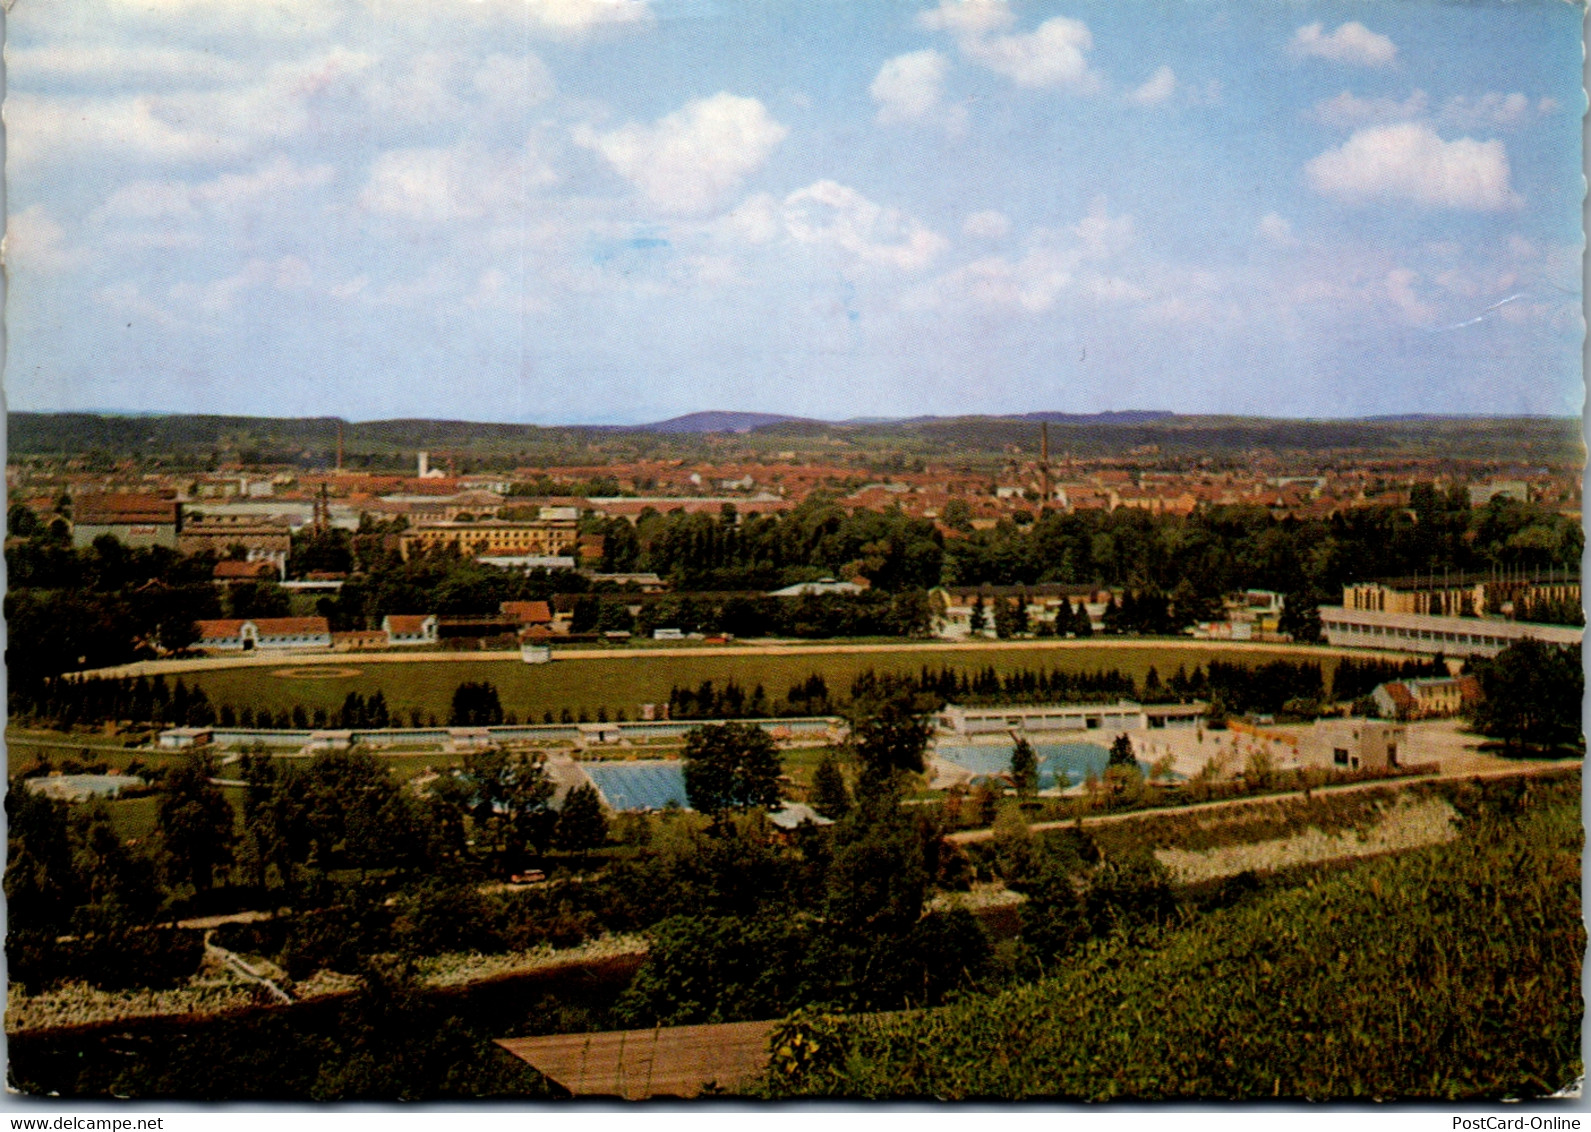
[(669, 1061)]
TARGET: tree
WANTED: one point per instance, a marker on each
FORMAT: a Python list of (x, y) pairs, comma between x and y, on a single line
[(195, 823), (1024, 769), (476, 705), (730, 766), (1121, 753), (888, 736), (1531, 695), (977, 619), (830, 797), (511, 799), (1013, 843), (581, 824), (39, 887), (115, 889)]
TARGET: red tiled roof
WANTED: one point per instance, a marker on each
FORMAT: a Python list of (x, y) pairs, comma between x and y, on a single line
[(106, 508), (233, 569), (290, 626), (406, 624), (528, 612), (219, 630)]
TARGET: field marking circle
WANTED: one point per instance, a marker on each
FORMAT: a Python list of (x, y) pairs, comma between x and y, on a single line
[(316, 672)]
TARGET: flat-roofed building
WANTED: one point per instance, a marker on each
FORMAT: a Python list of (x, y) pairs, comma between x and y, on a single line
[(132, 519), (1421, 633), (1123, 715), (1352, 744)]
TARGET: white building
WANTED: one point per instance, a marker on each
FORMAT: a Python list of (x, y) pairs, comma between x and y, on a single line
[(1121, 716), (1424, 633)]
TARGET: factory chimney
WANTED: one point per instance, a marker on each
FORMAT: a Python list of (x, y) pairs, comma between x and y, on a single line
[(1044, 460), (424, 465)]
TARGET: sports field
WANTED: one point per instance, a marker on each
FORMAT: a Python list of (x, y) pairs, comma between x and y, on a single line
[(623, 683)]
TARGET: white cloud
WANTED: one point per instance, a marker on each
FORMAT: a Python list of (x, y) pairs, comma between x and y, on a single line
[(514, 80), (285, 273), (757, 220), (968, 17), (81, 62), (989, 224), (35, 242), (1494, 110), (1491, 111), (1400, 289), (1351, 43), (1410, 162), (689, 160), (837, 215), (178, 200), (907, 86), (1056, 261), (1053, 54), (1102, 235), (1161, 86), (439, 184), (1346, 110), (275, 178), (577, 16), (41, 129), (1276, 229)]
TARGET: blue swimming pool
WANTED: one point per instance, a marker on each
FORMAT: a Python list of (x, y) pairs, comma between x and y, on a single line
[(1075, 760), (646, 785)]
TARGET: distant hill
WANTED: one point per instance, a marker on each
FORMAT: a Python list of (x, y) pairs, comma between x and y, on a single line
[(1125, 417), (714, 422)]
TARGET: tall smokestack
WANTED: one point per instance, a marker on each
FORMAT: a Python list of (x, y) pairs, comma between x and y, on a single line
[(423, 464), (1044, 459)]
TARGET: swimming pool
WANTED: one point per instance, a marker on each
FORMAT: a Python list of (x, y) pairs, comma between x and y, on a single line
[(1075, 760)]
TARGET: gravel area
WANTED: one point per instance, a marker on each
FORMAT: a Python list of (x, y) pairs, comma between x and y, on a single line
[(1408, 824), (78, 1004), (456, 968)]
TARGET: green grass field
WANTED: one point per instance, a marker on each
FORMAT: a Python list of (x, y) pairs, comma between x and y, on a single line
[(624, 683)]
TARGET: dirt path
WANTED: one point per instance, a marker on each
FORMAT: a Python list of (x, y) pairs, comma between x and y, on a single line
[(762, 648), (1521, 770)]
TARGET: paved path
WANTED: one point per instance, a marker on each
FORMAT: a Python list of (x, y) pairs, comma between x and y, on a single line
[(761, 648), (236, 964), (1522, 769)]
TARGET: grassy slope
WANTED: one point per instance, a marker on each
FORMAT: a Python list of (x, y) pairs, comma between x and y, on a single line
[(1449, 972), (624, 683)]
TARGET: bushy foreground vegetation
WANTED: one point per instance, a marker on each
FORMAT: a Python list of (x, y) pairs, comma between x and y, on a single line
[(1451, 972)]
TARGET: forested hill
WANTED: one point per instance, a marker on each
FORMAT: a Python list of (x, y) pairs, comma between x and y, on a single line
[(198, 440)]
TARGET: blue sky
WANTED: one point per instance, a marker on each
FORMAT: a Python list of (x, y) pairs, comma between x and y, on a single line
[(620, 210)]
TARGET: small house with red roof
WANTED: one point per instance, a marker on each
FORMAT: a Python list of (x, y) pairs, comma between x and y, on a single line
[(410, 628)]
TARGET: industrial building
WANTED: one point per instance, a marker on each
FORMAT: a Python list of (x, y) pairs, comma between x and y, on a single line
[(133, 520), (555, 533), (1444, 636)]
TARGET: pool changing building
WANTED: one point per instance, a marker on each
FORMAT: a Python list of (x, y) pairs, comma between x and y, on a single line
[(1124, 715)]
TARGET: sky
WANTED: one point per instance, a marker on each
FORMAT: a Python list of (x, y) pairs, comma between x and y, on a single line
[(617, 211)]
